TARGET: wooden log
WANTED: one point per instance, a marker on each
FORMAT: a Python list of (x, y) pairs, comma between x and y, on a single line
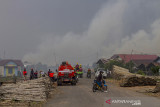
[(157, 88), (32, 90)]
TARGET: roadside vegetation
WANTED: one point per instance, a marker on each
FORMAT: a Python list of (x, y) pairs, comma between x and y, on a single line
[(154, 71)]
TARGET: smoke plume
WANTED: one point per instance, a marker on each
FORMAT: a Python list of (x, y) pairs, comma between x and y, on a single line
[(118, 27)]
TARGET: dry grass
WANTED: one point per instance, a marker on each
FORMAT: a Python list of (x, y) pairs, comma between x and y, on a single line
[(139, 89), (113, 81)]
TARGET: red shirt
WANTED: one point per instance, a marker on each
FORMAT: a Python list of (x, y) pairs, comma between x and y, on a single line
[(24, 72), (51, 74)]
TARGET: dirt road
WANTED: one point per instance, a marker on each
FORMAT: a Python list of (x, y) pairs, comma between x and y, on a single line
[(81, 95)]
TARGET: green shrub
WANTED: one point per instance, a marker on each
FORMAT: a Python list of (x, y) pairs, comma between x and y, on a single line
[(140, 72), (155, 70)]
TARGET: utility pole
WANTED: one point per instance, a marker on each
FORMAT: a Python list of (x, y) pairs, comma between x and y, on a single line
[(97, 54), (55, 58), (130, 68), (4, 54)]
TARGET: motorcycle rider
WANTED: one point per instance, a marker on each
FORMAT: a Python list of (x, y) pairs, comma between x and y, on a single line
[(89, 72), (100, 79), (80, 68), (77, 67)]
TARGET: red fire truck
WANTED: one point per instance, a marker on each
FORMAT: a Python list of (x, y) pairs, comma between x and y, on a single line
[(66, 74)]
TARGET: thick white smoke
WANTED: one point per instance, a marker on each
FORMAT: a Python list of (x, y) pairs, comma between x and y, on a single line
[(104, 37), (142, 41)]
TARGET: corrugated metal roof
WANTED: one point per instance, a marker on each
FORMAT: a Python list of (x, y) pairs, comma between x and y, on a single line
[(144, 62), (103, 60), (128, 57)]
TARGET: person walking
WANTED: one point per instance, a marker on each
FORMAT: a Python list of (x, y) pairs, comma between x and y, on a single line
[(49, 72), (36, 74), (25, 74), (32, 74)]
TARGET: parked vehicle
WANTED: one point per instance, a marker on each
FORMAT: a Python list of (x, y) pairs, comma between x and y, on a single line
[(98, 72), (98, 86)]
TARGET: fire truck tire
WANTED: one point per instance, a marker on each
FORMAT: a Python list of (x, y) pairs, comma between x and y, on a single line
[(81, 76), (73, 83)]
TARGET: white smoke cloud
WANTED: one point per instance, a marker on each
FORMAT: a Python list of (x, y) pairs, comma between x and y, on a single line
[(104, 35), (142, 41)]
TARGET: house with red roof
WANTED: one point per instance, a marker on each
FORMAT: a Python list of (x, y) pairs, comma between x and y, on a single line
[(137, 58), (142, 61)]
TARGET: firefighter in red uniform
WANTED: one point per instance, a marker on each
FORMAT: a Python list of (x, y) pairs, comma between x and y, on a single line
[(65, 65), (69, 66), (62, 66)]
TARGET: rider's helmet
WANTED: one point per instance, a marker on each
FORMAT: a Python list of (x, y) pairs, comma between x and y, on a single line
[(101, 72), (77, 63)]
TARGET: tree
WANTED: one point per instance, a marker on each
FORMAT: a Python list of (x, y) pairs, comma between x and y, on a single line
[(110, 64), (130, 65), (155, 70), (140, 72), (101, 65)]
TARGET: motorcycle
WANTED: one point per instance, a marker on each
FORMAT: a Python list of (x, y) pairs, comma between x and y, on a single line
[(88, 75), (76, 77), (99, 86)]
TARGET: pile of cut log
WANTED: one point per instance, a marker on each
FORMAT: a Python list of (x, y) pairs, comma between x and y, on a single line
[(31, 90), (129, 79), (120, 73), (157, 88), (137, 81)]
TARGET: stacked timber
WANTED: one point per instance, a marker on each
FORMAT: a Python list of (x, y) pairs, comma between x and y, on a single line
[(157, 88), (137, 81), (129, 79), (31, 90), (120, 73)]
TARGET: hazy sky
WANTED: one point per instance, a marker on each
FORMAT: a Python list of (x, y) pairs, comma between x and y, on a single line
[(75, 30), (25, 23)]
